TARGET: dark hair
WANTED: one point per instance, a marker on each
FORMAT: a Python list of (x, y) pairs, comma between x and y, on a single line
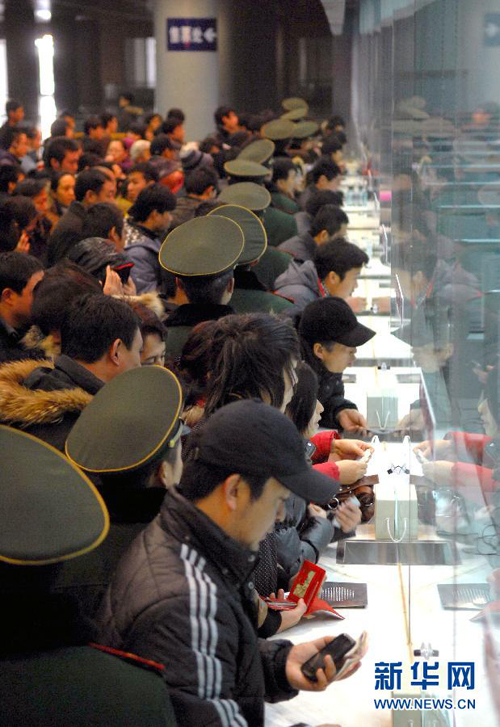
[(29, 187), (220, 112), (106, 117), (169, 125), (147, 170), (194, 363), (176, 114), (200, 479), (89, 180), (100, 220), (10, 134), (137, 127), (92, 323), (58, 127), (321, 197), (303, 403), (334, 121), (23, 210), (12, 105), (65, 113), (150, 324), (331, 144), (91, 122), (282, 168), (57, 149), (338, 256), (60, 285), (208, 142), (56, 177), (199, 180), (127, 95), (324, 167), (88, 160), (149, 117), (414, 257), (159, 144), (155, 197), (206, 289), (8, 174), (16, 270), (9, 232), (329, 218), (248, 356)]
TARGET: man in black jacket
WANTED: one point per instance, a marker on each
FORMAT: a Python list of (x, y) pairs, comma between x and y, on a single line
[(100, 338), (183, 593), (19, 274)]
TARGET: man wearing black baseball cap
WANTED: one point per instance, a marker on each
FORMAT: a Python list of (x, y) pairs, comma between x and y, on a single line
[(330, 334), (183, 594)]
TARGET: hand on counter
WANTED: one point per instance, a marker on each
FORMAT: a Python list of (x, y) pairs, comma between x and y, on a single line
[(441, 473), (357, 304), (351, 470), (351, 420), (348, 515), (413, 420), (290, 618), (441, 448), (349, 448), (299, 654)]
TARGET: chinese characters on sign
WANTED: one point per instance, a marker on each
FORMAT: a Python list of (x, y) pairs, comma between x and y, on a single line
[(460, 674), (191, 34)]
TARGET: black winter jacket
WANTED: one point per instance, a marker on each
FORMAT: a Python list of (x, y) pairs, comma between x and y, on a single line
[(331, 395), (182, 596)]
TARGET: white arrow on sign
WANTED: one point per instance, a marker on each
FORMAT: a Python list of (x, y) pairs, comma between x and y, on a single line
[(491, 30), (210, 35)]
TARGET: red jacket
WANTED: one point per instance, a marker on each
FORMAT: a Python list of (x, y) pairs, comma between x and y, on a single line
[(481, 469), (323, 443)]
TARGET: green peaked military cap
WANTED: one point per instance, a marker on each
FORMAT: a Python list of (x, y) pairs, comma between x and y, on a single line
[(128, 423), (253, 196), (253, 229), (202, 246), (245, 168), (49, 510), (293, 102), (305, 129), (295, 114), (259, 151), (278, 129)]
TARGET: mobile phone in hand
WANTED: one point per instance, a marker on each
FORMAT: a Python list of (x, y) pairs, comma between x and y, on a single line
[(337, 649)]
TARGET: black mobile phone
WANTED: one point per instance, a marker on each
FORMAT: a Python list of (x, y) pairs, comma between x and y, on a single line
[(337, 649)]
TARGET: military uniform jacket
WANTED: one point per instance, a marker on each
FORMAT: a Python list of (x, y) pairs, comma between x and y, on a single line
[(182, 596), (184, 318)]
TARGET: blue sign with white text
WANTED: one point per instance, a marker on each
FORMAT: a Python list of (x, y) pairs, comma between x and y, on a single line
[(192, 34)]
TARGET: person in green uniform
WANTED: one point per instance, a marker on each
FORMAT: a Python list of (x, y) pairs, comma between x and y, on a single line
[(249, 294), (201, 254), (280, 226), (282, 185), (49, 674)]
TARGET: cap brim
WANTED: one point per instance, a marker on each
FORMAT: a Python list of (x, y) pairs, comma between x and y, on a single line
[(311, 485), (357, 337)]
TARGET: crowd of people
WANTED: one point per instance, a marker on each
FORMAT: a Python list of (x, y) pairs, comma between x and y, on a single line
[(175, 319)]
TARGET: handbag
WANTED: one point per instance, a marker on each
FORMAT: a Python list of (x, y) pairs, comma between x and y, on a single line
[(363, 490)]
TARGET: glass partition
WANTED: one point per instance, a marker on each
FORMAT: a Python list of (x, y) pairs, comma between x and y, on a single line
[(427, 114)]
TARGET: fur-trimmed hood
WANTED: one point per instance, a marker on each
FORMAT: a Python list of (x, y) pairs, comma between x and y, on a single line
[(23, 407)]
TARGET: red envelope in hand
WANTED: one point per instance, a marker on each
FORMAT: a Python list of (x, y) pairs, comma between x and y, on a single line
[(307, 583)]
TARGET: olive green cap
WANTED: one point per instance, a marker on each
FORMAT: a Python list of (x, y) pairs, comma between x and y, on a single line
[(253, 229), (253, 196), (259, 151), (128, 423), (202, 246), (304, 129), (245, 168), (278, 129), (293, 102), (49, 510), (295, 114)]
